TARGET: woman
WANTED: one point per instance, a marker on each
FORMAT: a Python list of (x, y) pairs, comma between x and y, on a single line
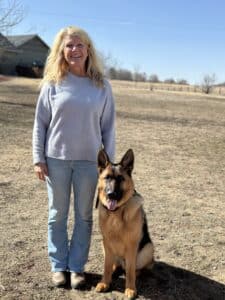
[(74, 119)]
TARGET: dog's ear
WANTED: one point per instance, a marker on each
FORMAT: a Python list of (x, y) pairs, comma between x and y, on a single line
[(127, 161), (103, 160)]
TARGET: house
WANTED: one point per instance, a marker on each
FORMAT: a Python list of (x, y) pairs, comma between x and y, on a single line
[(22, 55), (8, 53)]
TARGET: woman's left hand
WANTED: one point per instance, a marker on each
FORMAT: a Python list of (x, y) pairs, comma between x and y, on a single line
[(41, 170)]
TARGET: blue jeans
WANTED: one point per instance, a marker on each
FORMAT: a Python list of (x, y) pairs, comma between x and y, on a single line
[(63, 175)]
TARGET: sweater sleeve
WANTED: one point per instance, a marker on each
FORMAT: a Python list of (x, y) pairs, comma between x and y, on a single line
[(41, 123), (108, 123)]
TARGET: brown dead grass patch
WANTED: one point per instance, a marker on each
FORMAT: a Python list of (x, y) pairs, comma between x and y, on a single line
[(179, 142)]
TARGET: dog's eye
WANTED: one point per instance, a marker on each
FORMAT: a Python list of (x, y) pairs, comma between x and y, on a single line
[(107, 177), (120, 178)]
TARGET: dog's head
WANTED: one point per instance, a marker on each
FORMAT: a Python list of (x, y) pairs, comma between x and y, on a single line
[(115, 184)]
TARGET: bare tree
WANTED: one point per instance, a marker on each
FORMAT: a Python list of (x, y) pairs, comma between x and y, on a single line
[(12, 12), (110, 64), (124, 74), (153, 78), (136, 73), (169, 80), (182, 81), (207, 83), (112, 73)]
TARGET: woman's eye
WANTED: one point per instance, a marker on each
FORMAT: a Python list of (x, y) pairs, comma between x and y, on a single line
[(69, 46)]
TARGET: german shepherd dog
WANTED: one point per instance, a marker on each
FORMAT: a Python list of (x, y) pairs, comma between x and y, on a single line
[(122, 222)]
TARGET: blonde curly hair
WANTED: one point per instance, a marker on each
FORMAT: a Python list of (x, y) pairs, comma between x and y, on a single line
[(56, 66)]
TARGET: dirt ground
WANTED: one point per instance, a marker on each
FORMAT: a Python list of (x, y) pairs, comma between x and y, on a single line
[(179, 145)]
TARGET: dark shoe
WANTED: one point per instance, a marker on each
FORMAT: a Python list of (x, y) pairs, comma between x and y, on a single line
[(77, 280), (58, 278)]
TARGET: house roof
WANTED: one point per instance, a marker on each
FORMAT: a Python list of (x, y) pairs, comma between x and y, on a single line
[(19, 40), (6, 44)]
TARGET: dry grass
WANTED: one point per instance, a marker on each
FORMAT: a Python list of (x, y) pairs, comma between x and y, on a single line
[(217, 91), (179, 142)]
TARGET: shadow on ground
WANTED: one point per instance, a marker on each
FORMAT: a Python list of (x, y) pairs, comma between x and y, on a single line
[(167, 282)]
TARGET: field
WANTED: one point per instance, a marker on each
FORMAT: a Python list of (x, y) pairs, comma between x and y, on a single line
[(179, 144)]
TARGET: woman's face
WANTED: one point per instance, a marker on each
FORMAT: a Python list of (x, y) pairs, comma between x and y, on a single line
[(75, 53)]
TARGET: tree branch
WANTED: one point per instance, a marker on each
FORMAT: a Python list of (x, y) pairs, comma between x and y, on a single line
[(11, 13)]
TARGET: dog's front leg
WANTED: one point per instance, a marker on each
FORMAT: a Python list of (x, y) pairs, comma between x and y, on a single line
[(131, 257), (104, 285)]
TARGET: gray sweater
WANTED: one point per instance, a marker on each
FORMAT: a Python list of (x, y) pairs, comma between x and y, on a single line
[(73, 120)]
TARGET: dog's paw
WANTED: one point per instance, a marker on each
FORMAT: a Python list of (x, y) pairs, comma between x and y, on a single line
[(101, 287), (130, 294)]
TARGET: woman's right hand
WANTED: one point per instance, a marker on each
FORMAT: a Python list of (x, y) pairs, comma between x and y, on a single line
[(41, 170)]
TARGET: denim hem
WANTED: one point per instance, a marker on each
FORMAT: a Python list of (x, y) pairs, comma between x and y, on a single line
[(76, 270), (59, 270)]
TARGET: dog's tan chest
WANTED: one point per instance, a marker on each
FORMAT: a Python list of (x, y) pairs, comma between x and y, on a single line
[(115, 234), (119, 231), (112, 223)]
